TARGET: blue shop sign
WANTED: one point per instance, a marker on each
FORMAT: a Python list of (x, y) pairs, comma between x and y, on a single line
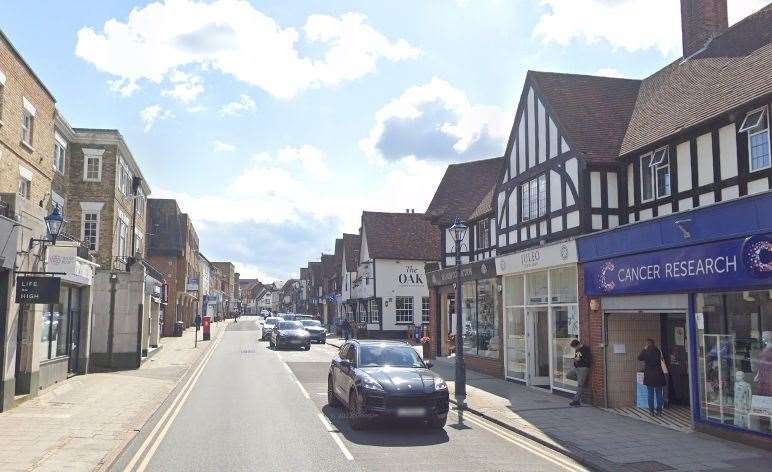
[(733, 264)]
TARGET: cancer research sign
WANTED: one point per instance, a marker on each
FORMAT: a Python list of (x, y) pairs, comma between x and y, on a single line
[(734, 264)]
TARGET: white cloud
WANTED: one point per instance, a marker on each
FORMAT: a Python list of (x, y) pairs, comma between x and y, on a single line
[(196, 109), (436, 121), (244, 103), (234, 38), (185, 87), (152, 114), (219, 146), (608, 72), (632, 25)]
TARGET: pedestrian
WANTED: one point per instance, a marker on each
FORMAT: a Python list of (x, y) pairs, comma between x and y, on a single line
[(582, 362), (654, 376), (346, 329)]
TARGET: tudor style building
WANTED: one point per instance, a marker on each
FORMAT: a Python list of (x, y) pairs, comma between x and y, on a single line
[(466, 191), (349, 265)]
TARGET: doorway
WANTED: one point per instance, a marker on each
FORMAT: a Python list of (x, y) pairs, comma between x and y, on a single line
[(537, 335)]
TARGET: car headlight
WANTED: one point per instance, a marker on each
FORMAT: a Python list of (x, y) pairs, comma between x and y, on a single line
[(440, 384), (370, 383)]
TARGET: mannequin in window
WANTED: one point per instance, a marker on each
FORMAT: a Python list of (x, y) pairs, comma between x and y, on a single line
[(742, 401)]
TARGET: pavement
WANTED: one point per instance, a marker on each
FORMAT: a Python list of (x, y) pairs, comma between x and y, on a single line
[(249, 407), (85, 421), (596, 438)]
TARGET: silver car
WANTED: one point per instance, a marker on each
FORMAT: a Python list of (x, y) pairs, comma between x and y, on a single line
[(268, 325)]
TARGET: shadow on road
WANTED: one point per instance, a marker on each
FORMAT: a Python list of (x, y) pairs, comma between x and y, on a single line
[(386, 433)]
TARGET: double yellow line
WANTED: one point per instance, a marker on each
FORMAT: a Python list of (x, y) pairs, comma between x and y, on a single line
[(157, 435)]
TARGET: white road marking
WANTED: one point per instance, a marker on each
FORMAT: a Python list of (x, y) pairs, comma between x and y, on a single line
[(173, 410), (524, 443), (336, 437), (286, 367), (302, 389)]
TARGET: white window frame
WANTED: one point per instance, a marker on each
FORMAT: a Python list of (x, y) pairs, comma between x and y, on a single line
[(533, 204), (140, 202), (373, 315), (2, 95), (401, 313), (426, 307), (753, 129), (650, 171), (89, 154), (97, 222), (60, 153), (122, 232), (27, 130), (25, 187)]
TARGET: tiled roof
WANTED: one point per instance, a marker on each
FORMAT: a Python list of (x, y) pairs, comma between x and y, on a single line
[(462, 190), (592, 111), (403, 236), (351, 244), (338, 256), (328, 265), (733, 69)]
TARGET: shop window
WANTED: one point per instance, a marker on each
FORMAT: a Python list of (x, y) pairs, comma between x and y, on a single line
[(425, 309), (515, 343), (54, 329), (734, 337), (565, 328), (468, 314), (756, 124), (537, 288), (488, 339), (514, 290), (563, 285), (404, 308)]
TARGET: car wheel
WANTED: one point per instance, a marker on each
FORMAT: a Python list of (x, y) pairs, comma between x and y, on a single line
[(438, 422), (356, 416), (332, 400)]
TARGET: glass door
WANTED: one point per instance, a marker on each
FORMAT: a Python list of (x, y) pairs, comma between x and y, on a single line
[(515, 343), (538, 353)]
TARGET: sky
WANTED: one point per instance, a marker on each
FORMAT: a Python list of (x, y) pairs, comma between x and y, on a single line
[(275, 124)]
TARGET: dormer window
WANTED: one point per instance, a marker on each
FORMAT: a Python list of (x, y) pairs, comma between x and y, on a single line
[(756, 124), (655, 175)]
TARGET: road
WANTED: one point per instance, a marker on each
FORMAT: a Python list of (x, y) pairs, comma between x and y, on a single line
[(247, 407)]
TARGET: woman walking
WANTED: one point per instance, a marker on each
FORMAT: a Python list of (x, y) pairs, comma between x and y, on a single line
[(654, 378)]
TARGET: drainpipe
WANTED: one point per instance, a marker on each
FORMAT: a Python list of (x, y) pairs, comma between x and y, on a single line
[(111, 327)]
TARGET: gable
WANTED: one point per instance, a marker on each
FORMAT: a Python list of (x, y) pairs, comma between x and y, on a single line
[(364, 254)]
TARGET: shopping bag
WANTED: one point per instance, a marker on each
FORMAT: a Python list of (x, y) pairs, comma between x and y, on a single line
[(571, 375)]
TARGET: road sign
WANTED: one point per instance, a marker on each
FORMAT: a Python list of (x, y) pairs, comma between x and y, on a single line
[(43, 290)]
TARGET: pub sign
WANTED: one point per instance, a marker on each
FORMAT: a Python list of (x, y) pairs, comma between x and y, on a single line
[(40, 290)]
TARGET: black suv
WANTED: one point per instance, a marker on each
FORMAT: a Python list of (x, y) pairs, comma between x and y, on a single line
[(386, 379)]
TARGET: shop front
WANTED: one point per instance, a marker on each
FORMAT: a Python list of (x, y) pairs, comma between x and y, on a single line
[(541, 315), (65, 325), (481, 312), (706, 301)]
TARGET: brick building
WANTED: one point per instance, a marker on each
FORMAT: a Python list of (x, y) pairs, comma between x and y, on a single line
[(227, 286), (173, 249)]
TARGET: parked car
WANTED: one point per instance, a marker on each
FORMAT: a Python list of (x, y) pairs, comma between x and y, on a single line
[(290, 333), (268, 325), (315, 330), (374, 379)]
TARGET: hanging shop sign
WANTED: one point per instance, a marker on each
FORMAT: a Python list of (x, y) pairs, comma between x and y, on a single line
[(473, 271), (734, 264), (42, 290)]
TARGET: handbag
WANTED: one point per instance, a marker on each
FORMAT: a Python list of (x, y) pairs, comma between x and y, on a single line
[(662, 363)]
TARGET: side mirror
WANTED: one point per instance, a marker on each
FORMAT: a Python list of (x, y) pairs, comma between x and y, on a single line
[(429, 365)]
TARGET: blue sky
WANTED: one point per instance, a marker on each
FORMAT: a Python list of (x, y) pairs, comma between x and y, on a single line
[(276, 123)]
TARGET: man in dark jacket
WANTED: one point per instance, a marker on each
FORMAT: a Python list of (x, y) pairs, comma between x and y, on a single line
[(582, 362)]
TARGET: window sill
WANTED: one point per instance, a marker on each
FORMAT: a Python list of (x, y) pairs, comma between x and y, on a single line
[(760, 169), (405, 323), (27, 146)]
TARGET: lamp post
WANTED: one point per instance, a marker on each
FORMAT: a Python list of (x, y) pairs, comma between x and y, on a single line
[(458, 230), (54, 223)]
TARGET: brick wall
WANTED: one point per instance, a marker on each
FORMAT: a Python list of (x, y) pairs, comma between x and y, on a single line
[(591, 334), (21, 83)]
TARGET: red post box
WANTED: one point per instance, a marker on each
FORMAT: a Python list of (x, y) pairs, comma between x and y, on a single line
[(207, 328)]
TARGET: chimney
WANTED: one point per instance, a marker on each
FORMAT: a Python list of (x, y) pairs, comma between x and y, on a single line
[(701, 20)]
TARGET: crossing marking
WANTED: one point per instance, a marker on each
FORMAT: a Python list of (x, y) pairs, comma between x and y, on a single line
[(334, 433)]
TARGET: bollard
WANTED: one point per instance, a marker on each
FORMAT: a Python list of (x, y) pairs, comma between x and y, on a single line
[(207, 328)]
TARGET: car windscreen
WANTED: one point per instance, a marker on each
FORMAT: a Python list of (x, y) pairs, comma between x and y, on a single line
[(311, 323), (394, 356), (290, 325), (272, 320)]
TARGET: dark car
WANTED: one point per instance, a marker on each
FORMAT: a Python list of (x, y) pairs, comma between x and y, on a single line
[(290, 334), (375, 379), (315, 330)]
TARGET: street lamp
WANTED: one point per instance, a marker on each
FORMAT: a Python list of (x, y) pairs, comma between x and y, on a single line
[(54, 223), (458, 230)]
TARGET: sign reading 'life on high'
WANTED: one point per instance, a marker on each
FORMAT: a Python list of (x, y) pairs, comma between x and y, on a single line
[(736, 263), (41, 290)]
